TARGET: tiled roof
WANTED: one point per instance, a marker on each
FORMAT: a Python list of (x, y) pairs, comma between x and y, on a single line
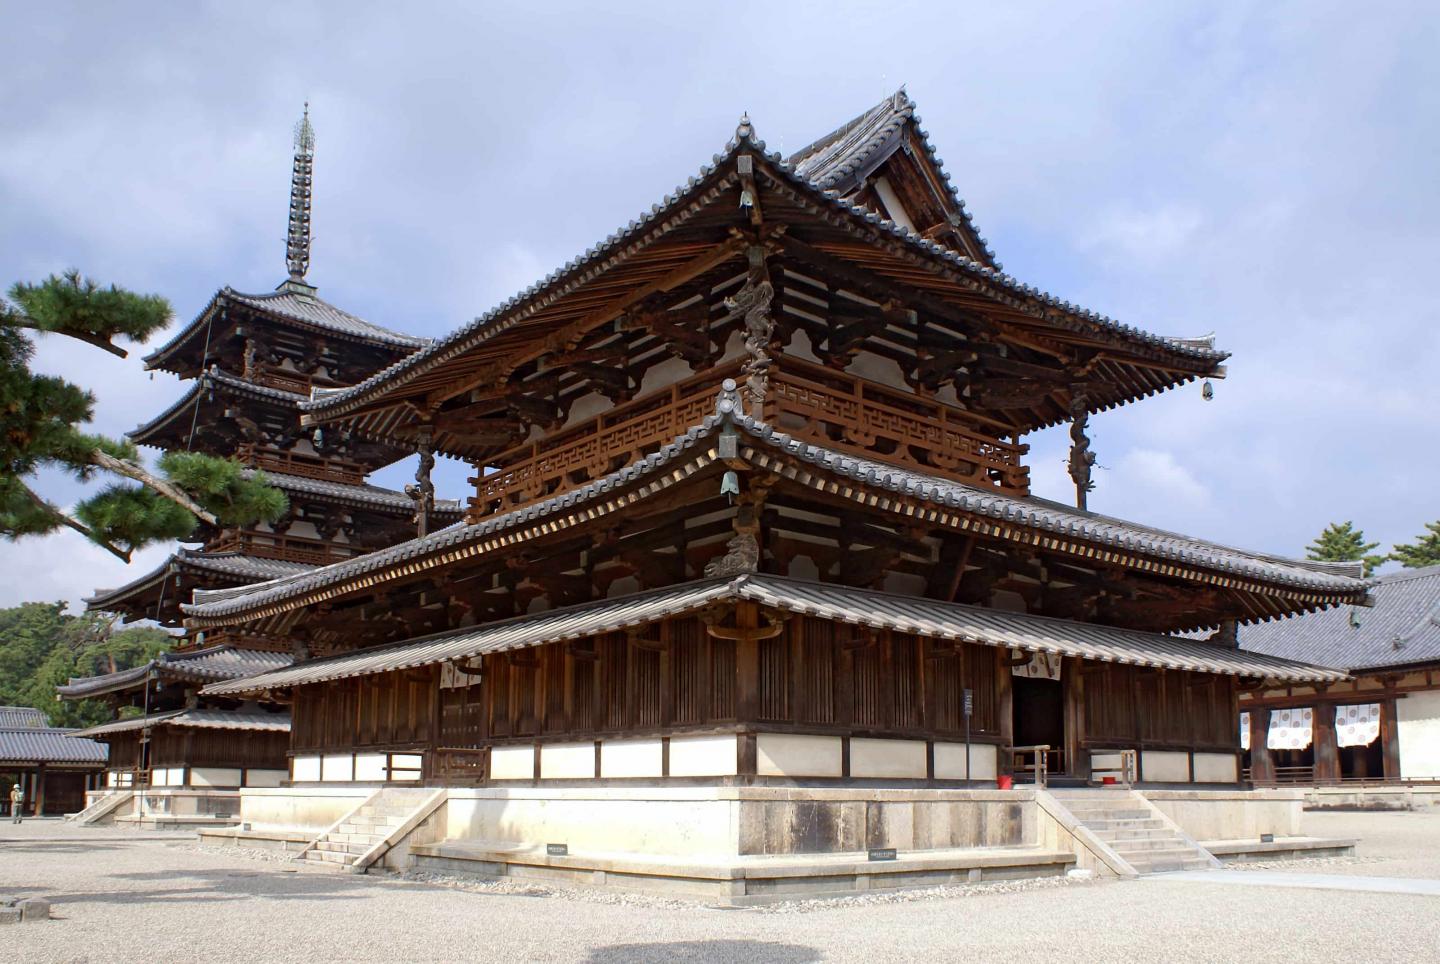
[(214, 378), (880, 610), (1029, 513), (844, 157), (233, 566), (295, 303), (597, 258), (29, 744), (199, 665), (1400, 628), (363, 495), (14, 717), (250, 721)]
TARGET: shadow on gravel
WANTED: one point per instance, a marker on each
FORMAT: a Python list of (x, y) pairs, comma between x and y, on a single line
[(78, 847), (749, 952)]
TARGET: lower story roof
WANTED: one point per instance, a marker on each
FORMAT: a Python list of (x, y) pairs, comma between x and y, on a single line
[(879, 610), (197, 665), (255, 721), (33, 745)]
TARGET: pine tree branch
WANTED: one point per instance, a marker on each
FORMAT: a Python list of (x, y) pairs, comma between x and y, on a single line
[(132, 471), (20, 320), (75, 524)]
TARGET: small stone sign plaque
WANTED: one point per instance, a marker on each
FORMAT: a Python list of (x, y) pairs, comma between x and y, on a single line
[(557, 849), (1267, 838), (884, 853)]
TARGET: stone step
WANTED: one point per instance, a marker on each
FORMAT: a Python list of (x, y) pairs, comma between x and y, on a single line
[(1125, 823), (1157, 853), (1116, 836), (1128, 845), (1084, 814), (1169, 865), (366, 829), (355, 837), (328, 856), (330, 846)]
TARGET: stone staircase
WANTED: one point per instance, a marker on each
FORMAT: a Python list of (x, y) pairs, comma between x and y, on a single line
[(1141, 837), (104, 806), (345, 846)]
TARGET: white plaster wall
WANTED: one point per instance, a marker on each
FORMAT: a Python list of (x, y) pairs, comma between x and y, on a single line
[(894, 759), (560, 761), (587, 407), (1165, 766), (1216, 768), (788, 755), (512, 763), (369, 767), (704, 756), (665, 374), (264, 778), (215, 776), (886, 371), (630, 758), (305, 769), (1418, 715), (168, 777), (950, 761), (337, 767)]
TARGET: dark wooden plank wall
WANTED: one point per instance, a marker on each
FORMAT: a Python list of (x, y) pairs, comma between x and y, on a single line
[(1140, 706), (183, 746)]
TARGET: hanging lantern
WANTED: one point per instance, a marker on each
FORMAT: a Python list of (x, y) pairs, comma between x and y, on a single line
[(1207, 390), (747, 200), (730, 485)]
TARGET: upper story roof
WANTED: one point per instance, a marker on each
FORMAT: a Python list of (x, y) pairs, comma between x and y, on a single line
[(21, 716), (1400, 628), (293, 304), (690, 235)]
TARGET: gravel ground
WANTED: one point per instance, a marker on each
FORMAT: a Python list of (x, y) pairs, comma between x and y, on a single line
[(130, 897)]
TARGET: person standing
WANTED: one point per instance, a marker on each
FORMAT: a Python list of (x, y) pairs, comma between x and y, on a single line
[(17, 803)]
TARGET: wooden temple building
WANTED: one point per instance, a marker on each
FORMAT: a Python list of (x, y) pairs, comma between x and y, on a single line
[(752, 514), (251, 360), (1379, 728), (53, 771)]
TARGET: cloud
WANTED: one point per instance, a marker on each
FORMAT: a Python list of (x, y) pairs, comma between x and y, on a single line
[(1128, 233), (1263, 171), (67, 566)]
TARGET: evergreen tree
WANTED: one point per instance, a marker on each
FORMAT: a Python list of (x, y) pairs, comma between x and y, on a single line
[(1424, 551), (41, 647), (1342, 542), (40, 427)]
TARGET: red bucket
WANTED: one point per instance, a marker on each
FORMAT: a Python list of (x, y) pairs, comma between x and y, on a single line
[(1108, 781), (1004, 783)]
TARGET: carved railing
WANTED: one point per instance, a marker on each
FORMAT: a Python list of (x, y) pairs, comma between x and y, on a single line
[(285, 382), (294, 463), (845, 412), (601, 445), (267, 545), (817, 404)]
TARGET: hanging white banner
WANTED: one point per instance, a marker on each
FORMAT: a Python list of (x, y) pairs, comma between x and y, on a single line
[(1244, 731), (1357, 725), (1290, 729), (1041, 665)]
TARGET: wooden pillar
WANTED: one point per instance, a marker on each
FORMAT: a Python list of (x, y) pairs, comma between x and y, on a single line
[(1005, 706), (1262, 765), (1326, 750), (1076, 758), (1390, 739), (40, 790)]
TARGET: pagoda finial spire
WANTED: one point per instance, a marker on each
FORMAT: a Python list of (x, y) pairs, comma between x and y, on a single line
[(297, 244)]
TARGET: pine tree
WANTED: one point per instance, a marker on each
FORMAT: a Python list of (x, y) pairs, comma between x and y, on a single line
[(1424, 551), (41, 419), (1342, 542)]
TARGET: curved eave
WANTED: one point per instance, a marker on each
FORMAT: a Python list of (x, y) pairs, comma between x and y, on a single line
[(181, 415), (909, 250), (190, 341), (939, 502)]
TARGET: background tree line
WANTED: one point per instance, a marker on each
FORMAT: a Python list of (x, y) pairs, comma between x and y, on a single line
[(1342, 542)]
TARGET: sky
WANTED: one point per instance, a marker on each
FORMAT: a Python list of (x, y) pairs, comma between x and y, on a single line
[(1262, 170)]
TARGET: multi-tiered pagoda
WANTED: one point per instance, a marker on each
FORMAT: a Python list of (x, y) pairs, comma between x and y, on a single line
[(251, 361), (752, 565)]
